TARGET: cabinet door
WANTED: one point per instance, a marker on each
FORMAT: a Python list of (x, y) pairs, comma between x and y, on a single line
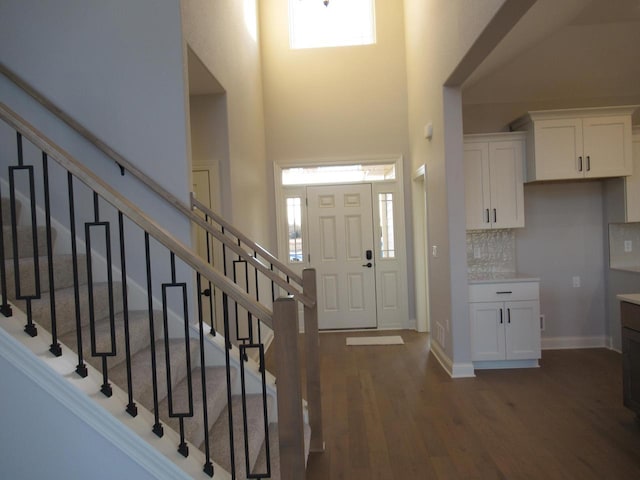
[(522, 330), (507, 198), (632, 185), (607, 146), (558, 148), (487, 331), (477, 185)]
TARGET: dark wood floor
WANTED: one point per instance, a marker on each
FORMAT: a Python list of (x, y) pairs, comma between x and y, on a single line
[(391, 412)]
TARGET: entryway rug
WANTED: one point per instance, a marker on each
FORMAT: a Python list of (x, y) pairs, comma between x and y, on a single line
[(386, 340)]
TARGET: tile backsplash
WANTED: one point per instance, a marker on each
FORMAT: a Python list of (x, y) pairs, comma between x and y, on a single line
[(491, 251)]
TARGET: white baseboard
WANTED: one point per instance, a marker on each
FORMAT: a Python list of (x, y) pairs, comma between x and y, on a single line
[(455, 370), (562, 343)]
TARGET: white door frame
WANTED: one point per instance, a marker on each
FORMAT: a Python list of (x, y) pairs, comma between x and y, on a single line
[(392, 302)]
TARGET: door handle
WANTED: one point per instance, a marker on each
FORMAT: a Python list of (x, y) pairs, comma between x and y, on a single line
[(368, 265)]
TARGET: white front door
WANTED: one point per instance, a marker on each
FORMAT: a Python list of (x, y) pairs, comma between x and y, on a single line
[(340, 236)]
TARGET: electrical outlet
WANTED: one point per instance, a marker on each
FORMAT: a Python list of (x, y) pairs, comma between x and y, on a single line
[(434, 251), (542, 320), (628, 246), (476, 252), (576, 282)]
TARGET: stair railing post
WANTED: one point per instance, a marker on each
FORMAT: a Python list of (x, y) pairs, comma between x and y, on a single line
[(290, 422), (312, 352)]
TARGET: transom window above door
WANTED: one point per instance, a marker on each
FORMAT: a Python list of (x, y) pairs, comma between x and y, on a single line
[(331, 23), (338, 173)]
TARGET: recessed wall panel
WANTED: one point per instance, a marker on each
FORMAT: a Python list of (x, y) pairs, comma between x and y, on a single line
[(330, 293), (353, 229), (328, 243)]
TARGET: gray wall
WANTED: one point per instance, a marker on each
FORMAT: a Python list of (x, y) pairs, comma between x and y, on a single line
[(40, 438), (562, 238)]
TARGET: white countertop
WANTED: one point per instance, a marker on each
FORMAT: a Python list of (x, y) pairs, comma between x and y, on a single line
[(629, 297), (501, 277)]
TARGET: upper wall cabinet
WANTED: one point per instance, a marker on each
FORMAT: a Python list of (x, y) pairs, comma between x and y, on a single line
[(632, 183), (493, 166), (577, 143)]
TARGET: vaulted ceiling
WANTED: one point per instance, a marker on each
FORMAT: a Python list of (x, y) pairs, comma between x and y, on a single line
[(566, 53)]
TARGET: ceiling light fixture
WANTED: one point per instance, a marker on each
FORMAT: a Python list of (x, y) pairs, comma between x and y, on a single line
[(326, 3)]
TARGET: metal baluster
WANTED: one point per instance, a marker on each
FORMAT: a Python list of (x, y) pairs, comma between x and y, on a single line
[(183, 449), (30, 327), (132, 409), (157, 427), (81, 368), (265, 414), (55, 346), (111, 352), (232, 455), (255, 270), (273, 287), (235, 280), (5, 308), (211, 290), (208, 465)]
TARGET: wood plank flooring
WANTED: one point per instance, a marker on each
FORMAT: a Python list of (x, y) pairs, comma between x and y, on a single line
[(391, 412)]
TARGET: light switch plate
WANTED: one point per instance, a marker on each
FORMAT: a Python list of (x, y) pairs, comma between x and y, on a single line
[(628, 246)]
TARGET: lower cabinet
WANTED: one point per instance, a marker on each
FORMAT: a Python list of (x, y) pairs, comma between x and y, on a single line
[(505, 325)]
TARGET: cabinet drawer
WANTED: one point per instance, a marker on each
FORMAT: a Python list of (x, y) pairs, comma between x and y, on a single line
[(504, 292)]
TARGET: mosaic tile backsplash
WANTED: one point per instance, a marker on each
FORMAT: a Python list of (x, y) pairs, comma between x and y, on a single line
[(491, 251)]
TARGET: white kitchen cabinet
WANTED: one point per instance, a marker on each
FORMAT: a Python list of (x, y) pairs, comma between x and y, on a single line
[(577, 143), (493, 173), (505, 324), (632, 182)]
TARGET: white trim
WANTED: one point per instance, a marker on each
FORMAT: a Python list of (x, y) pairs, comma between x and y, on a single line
[(562, 343), (455, 370), (502, 364)]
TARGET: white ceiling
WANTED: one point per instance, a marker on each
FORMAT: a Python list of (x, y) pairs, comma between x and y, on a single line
[(564, 50)]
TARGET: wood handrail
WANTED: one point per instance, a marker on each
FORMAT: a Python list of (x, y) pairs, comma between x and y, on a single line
[(246, 240), (154, 186), (132, 212)]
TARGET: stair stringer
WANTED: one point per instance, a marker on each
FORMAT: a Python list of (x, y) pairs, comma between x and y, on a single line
[(101, 419)]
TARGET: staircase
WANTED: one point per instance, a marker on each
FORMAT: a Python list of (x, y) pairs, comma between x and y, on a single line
[(209, 391)]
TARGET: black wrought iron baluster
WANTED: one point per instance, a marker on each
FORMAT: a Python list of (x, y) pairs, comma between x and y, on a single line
[(111, 352), (183, 449), (157, 427), (132, 409), (232, 455), (255, 271), (208, 465), (30, 327), (265, 413), (273, 287), (81, 368), (240, 338), (210, 288), (5, 308), (55, 346)]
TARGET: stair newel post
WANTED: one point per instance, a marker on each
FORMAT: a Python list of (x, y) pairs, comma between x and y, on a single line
[(312, 351), (55, 346), (290, 422)]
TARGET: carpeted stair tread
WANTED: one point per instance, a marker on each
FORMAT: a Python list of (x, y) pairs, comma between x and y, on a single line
[(141, 371), (25, 240), (6, 210), (138, 335), (216, 378), (62, 267), (219, 434), (274, 452), (66, 307)]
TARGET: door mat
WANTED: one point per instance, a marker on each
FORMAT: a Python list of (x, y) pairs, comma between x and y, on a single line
[(386, 340)]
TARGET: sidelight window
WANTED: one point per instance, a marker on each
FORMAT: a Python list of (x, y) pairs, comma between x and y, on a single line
[(294, 229), (387, 240)]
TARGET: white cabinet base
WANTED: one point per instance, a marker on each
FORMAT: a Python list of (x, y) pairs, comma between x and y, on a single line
[(503, 364)]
